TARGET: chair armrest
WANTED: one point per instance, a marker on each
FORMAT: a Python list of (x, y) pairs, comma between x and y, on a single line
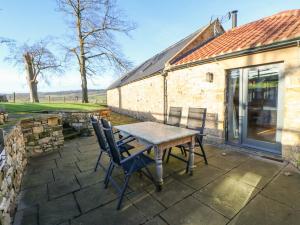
[(136, 154), (116, 132), (201, 134), (122, 141)]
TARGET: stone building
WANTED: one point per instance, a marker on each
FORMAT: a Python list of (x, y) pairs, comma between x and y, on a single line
[(248, 78)]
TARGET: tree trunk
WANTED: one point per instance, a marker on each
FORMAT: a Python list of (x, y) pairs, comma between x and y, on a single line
[(31, 80), (85, 98), (82, 59)]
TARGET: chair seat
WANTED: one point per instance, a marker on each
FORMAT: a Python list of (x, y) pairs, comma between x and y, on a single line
[(138, 165), (125, 148)]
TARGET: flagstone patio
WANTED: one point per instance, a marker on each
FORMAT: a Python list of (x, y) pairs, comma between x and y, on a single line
[(235, 188)]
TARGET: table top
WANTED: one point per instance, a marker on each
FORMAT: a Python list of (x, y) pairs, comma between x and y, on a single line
[(156, 133)]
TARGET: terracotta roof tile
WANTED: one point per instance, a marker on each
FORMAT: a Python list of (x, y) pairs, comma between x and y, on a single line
[(282, 26)]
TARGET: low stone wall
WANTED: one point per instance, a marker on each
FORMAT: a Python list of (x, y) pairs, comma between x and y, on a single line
[(80, 120), (3, 118), (42, 134), (27, 138), (12, 165)]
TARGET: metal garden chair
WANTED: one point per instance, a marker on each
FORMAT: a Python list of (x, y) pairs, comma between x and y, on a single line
[(124, 146), (196, 121), (174, 119), (131, 164)]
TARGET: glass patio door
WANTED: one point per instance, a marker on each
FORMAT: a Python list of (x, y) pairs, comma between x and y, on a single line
[(254, 101)]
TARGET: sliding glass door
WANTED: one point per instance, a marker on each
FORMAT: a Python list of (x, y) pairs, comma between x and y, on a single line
[(254, 107)]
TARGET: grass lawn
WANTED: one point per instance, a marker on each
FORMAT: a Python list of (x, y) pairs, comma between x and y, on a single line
[(35, 107)]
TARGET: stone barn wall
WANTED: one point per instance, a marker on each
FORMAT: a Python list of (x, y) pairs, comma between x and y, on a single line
[(142, 99), (188, 87)]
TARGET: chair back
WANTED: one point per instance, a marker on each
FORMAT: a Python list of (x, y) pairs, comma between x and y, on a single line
[(99, 133), (174, 117), (113, 148), (196, 119)]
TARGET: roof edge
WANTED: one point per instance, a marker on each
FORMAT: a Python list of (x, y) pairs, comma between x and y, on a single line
[(168, 63), (294, 42)]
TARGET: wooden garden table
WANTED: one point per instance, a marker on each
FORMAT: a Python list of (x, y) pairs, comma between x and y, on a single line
[(162, 137)]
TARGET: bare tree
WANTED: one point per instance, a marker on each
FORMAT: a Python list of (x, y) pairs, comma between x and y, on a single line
[(39, 61), (95, 23)]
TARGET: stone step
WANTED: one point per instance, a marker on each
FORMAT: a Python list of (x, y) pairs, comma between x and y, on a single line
[(71, 135), (68, 130)]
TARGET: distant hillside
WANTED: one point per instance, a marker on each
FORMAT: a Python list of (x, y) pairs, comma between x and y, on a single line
[(96, 96)]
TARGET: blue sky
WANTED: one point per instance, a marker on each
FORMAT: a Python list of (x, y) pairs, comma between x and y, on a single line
[(160, 23)]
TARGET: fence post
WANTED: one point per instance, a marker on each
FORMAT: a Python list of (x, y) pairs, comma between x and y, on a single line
[(49, 98), (64, 99), (14, 97)]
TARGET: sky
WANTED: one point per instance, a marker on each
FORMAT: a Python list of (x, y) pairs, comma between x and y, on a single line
[(160, 23)]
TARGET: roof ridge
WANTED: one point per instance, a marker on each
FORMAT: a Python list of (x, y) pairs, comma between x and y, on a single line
[(291, 12), (281, 26), (136, 69)]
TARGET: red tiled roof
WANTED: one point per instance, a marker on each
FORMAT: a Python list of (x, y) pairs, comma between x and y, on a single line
[(279, 27)]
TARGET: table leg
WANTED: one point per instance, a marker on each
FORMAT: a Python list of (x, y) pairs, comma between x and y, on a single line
[(191, 155), (159, 167)]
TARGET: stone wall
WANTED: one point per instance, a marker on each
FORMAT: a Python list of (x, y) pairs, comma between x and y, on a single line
[(3, 117), (42, 134), (80, 120), (12, 165), (142, 100), (188, 87), (27, 138)]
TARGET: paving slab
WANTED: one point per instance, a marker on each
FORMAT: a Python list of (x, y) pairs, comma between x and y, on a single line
[(264, 211), (32, 196), (225, 189), (202, 175), (230, 160), (86, 141), (58, 211), (87, 165), (28, 216), (173, 191), (190, 211), (139, 182), (156, 221), (108, 215), (89, 178), (285, 189), (91, 155), (226, 195), (66, 171), (47, 156), (211, 150), (37, 167), (66, 159), (60, 188), (256, 172), (36, 179), (148, 205), (94, 196)]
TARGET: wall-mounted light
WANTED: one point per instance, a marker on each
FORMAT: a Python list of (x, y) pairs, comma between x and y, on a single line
[(209, 77)]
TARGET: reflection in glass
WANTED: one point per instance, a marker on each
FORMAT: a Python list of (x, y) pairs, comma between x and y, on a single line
[(233, 105), (262, 103)]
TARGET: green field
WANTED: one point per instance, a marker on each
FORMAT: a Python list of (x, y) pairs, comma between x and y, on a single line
[(35, 107)]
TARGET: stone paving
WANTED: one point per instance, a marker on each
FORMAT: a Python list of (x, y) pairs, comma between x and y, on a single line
[(235, 188)]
